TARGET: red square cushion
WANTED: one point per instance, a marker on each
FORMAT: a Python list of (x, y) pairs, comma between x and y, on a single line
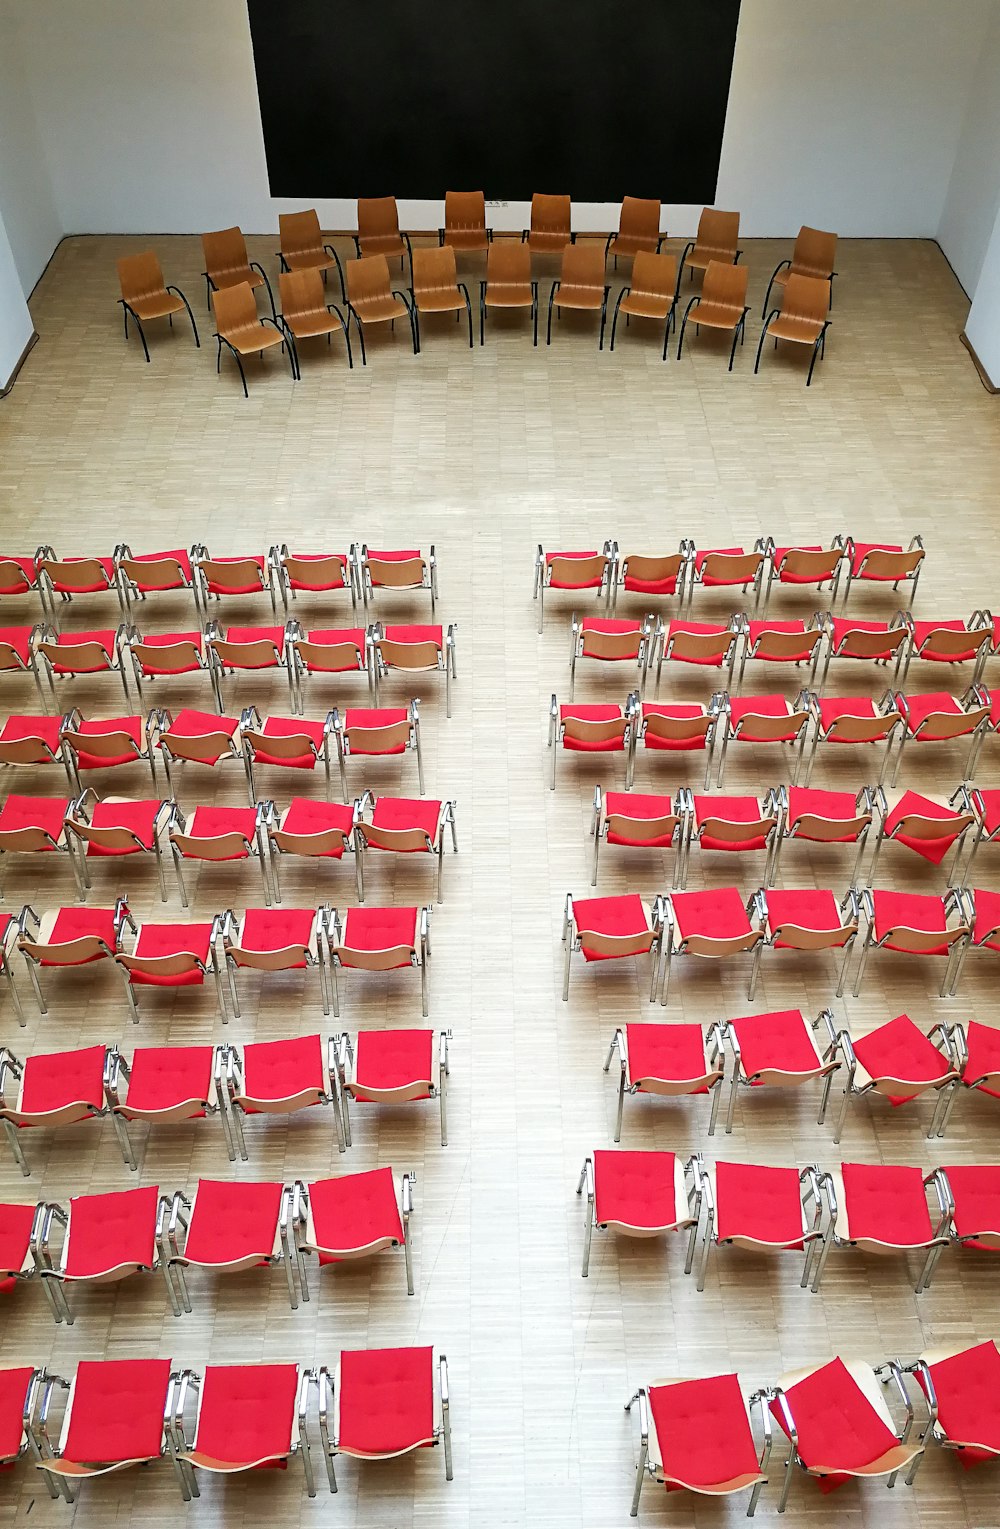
[(130, 729), (967, 1387), (410, 554), (835, 805), (203, 724), (184, 662), (718, 914), (386, 1059), (164, 1077), (172, 940), (887, 1203), (13, 1395), (213, 822), (731, 809), (45, 729), (745, 708), (614, 916), (778, 1042), (46, 813), (762, 1204), (666, 1053), (19, 571), (401, 812), (910, 910), (355, 1211), (107, 1231), (335, 637), (900, 1050), (138, 817), (703, 1431), (639, 810), (232, 1220), (368, 717), (837, 1425), (18, 639), (247, 1413), (674, 711), (638, 586), (386, 1400), (912, 804), (984, 1055), (922, 630), (117, 1410), (67, 641), (917, 708), (834, 707), (976, 1191), (807, 908), (636, 1189), (860, 550), (15, 1235), (271, 929), (415, 634), (987, 918), (374, 929), (306, 816), (282, 1069), (989, 806), (79, 923), (52, 1080)]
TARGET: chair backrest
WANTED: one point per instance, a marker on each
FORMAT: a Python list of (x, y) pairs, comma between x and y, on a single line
[(367, 279), (301, 292), (464, 210), (583, 266), (640, 216), (806, 297), (815, 251), (551, 214), (377, 215), (719, 230), (654, 275), (140, 275), (725, 285), (299, 231), (224, 250), (434, 270), (235, 308), (508, 264)]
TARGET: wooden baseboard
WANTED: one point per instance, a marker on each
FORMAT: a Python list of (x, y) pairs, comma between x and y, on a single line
[(21, 360), (984, 375)]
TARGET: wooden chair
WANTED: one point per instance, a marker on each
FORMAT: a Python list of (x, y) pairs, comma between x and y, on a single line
[(465, 221), (436, 288), (550, 224), (378, 230), (722, 304), (302, 246), (508, 283), (638, 229), (652, 295), (581, 285), (801, 318), (305, 313), (370, 300), (145, 295), (227, 264), (239, 328), (812, 255), (718, 236)]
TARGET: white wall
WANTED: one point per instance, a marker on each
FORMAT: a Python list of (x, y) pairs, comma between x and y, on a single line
[(973, 198), (982, 328), (844, 113), (16, 327), (26, 198)]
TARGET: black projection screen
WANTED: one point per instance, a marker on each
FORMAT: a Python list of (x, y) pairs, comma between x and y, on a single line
[(411, 98)]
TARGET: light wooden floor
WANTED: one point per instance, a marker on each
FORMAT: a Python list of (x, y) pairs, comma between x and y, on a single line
[(486, 454)]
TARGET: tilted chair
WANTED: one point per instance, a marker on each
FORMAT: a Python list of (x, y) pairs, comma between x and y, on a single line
[(243, 333), (227, 265), (670, 1061), (436, 287), (652, 294), (113, 1417), (146, 296), (306, 315), (721, 305), (349, 1217), (303, 247), (757, 1208), (580, 285), (801, 319), (370, 300), (508, 283), (383, 1403), (697, 1436)]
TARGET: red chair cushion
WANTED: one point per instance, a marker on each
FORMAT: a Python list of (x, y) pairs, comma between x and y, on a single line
[(987, 906), (15, 1235), (401, 812), (624, 915), (409, 554), (861, 550), (913, 910), (764, 1204), (117, 1410), (703, 1431), (76, 923), (808, 908), (45, 729), (759, 629), (887, 1203), (108, 1230), (268, 929), (967, 1387), (990, 808), (366, 717), (247, 1413), (781, 1041), (601, 624), (28, 569), (167, 640), (138, 817), (14, 1385), (232, 1220), (731, 809), (637, 586), (355, 1210), (837, 1425), (676, 711), (201, 724), (718, 914), (415, 634), (386, 1059), (306, 816), (371, 929), (844, 626), (666, 1053), (52, 1080), (900, 1050), (386, 1400), (917, 708), (172, 940), (213, 822), (46, 813), (699, 629), (337, 637), (292, 727), (822, 804), (129, 727), (976, 1192), (636, 1188), (241, 589), (18, 639), (834, 707), (280, 1069), (638, 809), (912, 803), (69, 640), (984, 1054), (164, 1077), (922, 631), (745, 708)]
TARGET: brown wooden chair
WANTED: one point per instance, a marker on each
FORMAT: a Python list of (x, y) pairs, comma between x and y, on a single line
[(580, 285), (508, 283), (465, 221), (813, 254), (146, 296), (227, 264), (302, 246), (652, 295), (802, 318), (436, 288), (550, 225), (378, 230), (305, 313), (718, 236), (722, 304), (370, 300), (238, 327), (638, 228)]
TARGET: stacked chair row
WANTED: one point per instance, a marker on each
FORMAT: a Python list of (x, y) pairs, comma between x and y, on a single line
[(175, 1085), (115, 1413)]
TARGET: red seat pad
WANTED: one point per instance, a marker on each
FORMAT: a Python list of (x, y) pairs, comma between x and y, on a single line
[(138, 817), (781, 1041), (759, 629), (992, 697), (967, 1387), (639, 809), (860, 551), (13, 1395), (987, 906), (984, 1054), (401, 812), (699, 563), (387, 1059), (384, 716), (886, 1203), (637, 586), (916, 708), (394, 555), (45, 729), (386, 1400), (28, 570), (238, 589), (292, 727), (778, 556), (703, 1431), (666, 1053), (923, 629), (167, 640), (166, 1076), (635, 1188), (355, 1210), (624, 915), (272, 634), (172, 940), (18, 639), (592, 714), (178, 555), (573, 583), (899, 1050), (201, 724), (823, 804), (808, 908), (914, 910), (247, 1413), (66, 581), (280, 1069), (764, 1204), (106, 1231), (718, 914), (699, 629), (353, 636), (675, 711), (5, 920), (835, 707), (130, 727), (912, 803), (842, 628), (371, 929), (117, 1410), (305, 816), (731, 809), (15, 1234), (318, 557), (55, 1079), (837, 1425), (414, 634), (232, 1220), (46, 813), (76, 923), (213, 822), (268, 929), (990, 809), (976, 1191), (745, 708), (69, 640)]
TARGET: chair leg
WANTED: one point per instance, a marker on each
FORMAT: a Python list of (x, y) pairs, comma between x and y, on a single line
[(614, 319), (732, 353), (760, 347), (812, 363), (138, 326)]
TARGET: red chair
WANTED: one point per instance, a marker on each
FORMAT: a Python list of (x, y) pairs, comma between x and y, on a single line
[(18, 1401), (883, 563), (976, 1047), (727, 568), (697, 1436), (103, 1238), (248, 1417), (220, 833), (18, 574), (961, 1387), (326, 650), (869, 642), (985, 697), (164, 655), (637, 1194), (310, 830), (152, 573), (116, 827), (413, 650), (113, 1417), (806, 564), (777, 1050), (274, 940), (986, 807), (406, 572), (673, 727), (764, 719), (164, 1085), (377, 734), (881, 1208), (69, 937), (641, 822), (350, 1217), (699, 642), (171, 955), (711, 925), (640, 574), (969, 1197), (573, 572), (811, 919), (108, 743), (71, 576), (927, 825), (314, 573), (289, 743), (393, 1067), (33, 825), (918, 925), (609, 640), (384, 1403), (949, 642), (780, 642), (277, 1078), (379, 940), (9, 931), (193, 737), (230, 576), (590, 729), (936, 717), (18, 653), (823, 817), (227, 1226), (68, 655), (253, 648), (732, 825), (669, 1060), (857, 720), (981, 911), (402, 826), (762, 1210), (60, 1088), (900, 1062), (610, 928), (839, 1425)]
